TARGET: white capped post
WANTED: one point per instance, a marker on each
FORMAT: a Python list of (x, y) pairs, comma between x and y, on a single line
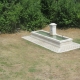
[(52, 28)]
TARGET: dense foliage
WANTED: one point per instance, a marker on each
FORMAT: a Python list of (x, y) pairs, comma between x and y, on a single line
[(34, 14), (31, 17), (66, 13), (24, 14)]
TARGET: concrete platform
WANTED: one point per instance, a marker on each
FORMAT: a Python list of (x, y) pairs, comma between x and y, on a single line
[(51, 47)]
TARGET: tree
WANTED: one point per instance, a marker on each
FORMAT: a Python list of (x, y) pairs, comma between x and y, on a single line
[(66, 13), (31, 16), (9, 15)]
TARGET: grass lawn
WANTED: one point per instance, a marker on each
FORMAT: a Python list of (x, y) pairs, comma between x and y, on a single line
[(23, 60)]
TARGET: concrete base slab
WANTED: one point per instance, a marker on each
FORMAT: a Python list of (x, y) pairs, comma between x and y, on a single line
[(53, 48)]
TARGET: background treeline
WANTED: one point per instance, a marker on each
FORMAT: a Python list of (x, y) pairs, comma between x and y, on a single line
[(35, 14)]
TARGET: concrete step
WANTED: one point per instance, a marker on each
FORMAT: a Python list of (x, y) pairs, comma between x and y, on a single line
[(51, 47)]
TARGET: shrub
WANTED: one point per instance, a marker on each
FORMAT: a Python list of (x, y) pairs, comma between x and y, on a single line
[(31, 16), (34, 14), (9, 16), (65, 13)]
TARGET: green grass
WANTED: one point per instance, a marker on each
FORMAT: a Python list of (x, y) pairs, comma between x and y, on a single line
[(23, 60), (2, 70), (77, 40), (32, 69)]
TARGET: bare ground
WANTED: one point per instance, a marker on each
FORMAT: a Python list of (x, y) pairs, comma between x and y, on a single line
[(23, 60)]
